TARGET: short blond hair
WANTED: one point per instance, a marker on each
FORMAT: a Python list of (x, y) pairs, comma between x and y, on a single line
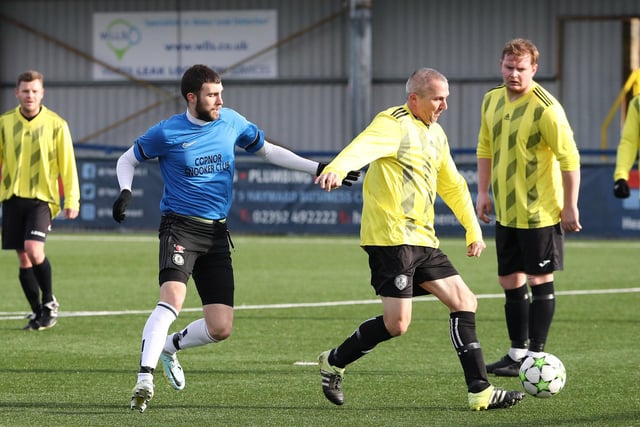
[(520, 48)]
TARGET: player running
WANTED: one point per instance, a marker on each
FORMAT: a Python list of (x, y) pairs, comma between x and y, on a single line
[(196, 155), (410, 163)]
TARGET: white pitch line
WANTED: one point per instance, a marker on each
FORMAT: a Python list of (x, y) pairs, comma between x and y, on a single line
[(5, 315), (303, 363)]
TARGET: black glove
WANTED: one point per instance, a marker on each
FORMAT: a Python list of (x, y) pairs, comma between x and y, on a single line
[(621, 189), (120, 205), (351, 175)]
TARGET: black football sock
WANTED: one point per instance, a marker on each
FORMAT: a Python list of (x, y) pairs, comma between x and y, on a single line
[(543, 307), (369, 334), (462, 330), (30, 288), (43, 274), (516, 310)]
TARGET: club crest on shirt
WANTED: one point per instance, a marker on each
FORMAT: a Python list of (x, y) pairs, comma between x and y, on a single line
[(401, 281), (177, 259)]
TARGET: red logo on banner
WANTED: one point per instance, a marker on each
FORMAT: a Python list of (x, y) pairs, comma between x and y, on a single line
[(633, 179)]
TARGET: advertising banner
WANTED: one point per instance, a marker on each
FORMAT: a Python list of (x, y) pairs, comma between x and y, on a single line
[(99, 189), (161, 45), (601, 214), (272, 200), (268, 199)]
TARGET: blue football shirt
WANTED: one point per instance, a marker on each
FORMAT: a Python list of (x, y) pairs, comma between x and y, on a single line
[(197, 162)]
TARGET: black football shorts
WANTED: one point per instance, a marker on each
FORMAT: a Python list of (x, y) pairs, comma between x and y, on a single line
[(398, 271)]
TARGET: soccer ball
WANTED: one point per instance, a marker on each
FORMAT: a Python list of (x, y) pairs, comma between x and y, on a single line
[(542, 376)]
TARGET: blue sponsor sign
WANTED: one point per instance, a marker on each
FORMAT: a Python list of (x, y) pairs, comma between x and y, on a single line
[(272, 200)]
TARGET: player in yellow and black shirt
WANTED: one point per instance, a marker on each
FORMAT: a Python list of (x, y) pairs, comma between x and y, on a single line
[(527, 155), (628, 149), (410, 162), (36, 151)]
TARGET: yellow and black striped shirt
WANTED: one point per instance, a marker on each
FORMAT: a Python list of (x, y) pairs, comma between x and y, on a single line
[(33, 155), (409, 163), (529, 142)]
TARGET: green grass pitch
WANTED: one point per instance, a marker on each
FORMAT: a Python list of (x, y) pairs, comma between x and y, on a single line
[(295, 297)]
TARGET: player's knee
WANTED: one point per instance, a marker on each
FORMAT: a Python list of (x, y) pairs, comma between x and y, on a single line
[(470, 302), (397, 327), (465, 301), (34, 255), (220, 333)]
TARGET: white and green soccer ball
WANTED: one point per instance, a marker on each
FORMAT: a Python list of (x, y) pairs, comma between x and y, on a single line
[(543, 375)]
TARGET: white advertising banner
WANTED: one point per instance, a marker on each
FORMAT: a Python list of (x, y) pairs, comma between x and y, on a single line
[(162, 45)]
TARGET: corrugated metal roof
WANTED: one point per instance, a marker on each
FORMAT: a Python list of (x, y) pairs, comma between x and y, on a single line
[(308, 106)]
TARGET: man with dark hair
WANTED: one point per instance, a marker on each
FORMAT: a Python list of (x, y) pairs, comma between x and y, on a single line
[(196, 155)]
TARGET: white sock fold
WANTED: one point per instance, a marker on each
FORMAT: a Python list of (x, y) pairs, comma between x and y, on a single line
[(517, 353), (536, 354), (145, 377)]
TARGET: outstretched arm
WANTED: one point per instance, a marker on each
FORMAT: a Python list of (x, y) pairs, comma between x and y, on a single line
[(282, 157)]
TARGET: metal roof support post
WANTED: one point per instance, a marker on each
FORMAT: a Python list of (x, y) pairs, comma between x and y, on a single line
[(360, 67)]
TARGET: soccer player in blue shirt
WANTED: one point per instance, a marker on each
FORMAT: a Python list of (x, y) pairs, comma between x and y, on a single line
[(195, 151)]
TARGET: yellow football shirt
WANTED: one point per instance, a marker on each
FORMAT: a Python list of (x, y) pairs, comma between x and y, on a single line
[(629, 142), (529, 142), (33, 155), (409, 163)]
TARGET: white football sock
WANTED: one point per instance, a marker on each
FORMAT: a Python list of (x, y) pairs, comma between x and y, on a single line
[(536, 354), (155, 332), (195, 335), (169, 346), (517, 353), (145, 377)]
